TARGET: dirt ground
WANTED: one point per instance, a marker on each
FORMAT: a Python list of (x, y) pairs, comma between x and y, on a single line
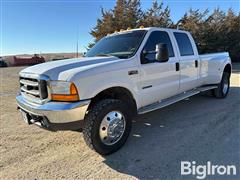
[(200, 129)]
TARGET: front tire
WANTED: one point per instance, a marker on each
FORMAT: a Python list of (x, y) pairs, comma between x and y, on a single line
[(107, 126), (223, 87)]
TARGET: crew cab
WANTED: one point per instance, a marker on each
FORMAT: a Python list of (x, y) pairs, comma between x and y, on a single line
[(126, 73)]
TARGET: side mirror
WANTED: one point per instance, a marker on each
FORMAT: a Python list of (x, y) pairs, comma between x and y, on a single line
[(161, 52)]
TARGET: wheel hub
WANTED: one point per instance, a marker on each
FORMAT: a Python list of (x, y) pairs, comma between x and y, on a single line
[(112, 127)]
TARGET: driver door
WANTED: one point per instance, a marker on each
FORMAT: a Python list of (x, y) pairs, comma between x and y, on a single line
[(159, 80)]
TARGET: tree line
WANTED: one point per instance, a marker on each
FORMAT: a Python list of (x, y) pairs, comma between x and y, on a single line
[(213, 32)]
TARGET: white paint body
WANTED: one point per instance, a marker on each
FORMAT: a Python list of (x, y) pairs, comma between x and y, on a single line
[(92, 75)]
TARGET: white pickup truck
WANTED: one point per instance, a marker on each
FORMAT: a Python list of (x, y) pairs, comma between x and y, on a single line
[(126, 73)]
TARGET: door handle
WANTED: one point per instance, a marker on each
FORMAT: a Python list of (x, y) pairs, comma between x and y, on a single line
[(177, 66), (196, 63), (132, 72)]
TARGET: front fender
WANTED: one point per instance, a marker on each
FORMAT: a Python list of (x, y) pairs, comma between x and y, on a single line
[(90, 86)]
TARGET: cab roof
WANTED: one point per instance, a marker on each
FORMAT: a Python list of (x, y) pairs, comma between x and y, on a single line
[(148, 29)]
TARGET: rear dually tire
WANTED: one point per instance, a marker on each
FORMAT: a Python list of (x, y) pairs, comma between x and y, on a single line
[(223, 87)]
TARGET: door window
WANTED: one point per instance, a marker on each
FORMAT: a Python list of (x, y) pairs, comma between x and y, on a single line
[(184, 44), (155, 38)]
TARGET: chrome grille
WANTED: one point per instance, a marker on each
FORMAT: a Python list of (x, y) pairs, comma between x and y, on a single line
[(34, 88), (28, 82)]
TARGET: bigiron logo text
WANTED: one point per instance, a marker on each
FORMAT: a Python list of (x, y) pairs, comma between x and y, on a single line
[(201, 171)]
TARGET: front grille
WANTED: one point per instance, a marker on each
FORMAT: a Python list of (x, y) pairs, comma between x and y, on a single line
[(34, 89)]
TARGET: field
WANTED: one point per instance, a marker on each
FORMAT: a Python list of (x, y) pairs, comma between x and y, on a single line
[(200, 129)]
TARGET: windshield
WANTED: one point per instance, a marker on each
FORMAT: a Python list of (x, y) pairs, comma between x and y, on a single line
[(122, 45)]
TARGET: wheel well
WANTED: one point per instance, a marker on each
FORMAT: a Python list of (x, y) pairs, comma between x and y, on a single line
[(227, 69), (120, 93)]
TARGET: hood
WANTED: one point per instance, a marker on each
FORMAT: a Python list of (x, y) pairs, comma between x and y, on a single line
[(56, 69)]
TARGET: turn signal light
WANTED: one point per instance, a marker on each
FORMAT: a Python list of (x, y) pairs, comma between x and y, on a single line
[(73, 96), (73, 89), (63, 97)]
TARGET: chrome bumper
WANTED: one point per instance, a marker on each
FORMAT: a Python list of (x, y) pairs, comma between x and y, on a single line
[(55, 112)]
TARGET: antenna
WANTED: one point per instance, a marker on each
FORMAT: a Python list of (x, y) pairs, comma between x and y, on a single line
[(77, 50), (77, 42)]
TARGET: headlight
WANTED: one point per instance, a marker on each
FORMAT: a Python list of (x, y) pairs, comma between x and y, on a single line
[(63, 91)]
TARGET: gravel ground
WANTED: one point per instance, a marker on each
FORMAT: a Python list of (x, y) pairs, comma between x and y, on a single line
[(200, 129)]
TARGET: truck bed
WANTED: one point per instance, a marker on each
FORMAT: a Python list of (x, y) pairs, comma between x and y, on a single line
[(210, 67)]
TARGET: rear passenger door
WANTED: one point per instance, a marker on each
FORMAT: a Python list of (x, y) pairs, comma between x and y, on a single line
[(188, 61)]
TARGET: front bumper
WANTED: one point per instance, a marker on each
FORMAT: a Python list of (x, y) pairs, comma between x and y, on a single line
[(53, 112)]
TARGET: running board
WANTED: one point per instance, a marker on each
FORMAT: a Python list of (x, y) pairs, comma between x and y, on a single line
[(206, 88), (174, 99)]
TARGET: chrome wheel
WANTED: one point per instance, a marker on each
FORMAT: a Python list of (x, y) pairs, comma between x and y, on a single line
[(225, 85), (112, 127)]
